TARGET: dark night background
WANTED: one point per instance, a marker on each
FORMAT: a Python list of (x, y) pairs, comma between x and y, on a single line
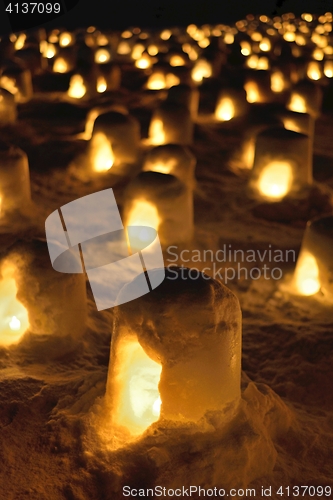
[(120, 14)]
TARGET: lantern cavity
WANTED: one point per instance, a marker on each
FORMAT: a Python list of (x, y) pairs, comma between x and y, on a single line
[(162, 202), (171, 123), (314, 268), (258, 87), (172, 159), (231, 103), (282, 165), (175, 354), (114, 143), (14, 180), (55, 302)]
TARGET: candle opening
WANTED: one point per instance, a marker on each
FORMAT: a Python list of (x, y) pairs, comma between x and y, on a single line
[(275, 180), (307, 275)]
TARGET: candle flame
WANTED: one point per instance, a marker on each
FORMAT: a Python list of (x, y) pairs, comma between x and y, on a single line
[(277, 82), (60, 65), (202, 69), (101, 84)]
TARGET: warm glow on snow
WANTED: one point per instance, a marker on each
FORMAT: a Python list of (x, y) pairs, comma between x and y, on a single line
[(275, 180)]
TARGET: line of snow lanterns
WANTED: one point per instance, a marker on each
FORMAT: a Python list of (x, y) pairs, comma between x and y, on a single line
[(39, 304), (282, 165), (314, 268), (166, 365)]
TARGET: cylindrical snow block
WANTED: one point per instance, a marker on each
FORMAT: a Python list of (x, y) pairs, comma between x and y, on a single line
[(8, 110), (17, 80), (163, 202), (116, 138), (314, 268), (186, 96), (165, 361), (306, 97), (258, 86), (231, 103), (282, 165), (55, 303), (172, 159), (171, 123), (14, 179)]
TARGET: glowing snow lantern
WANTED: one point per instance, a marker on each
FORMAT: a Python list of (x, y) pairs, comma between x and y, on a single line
[(8, 110), (102, 156), (124, 48), (225, 109), (171, 123), (257, 87), (172, 159), (265, 45), (60, 65), (14, 180), (101, 85), (17, 80), (278, 83), (314, 70), (328, 69), (306, 97), (156, 81), (102, 56), (143, 62), (152, 374), (65, 39), (172, 200), (49, 51), (177, 60), (185, 95), (114, 143), (314, 268), (57, 306), (202, 69), (77, 88), (282, 165), (14, 320)]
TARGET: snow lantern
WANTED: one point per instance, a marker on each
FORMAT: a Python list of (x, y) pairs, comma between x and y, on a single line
[(77, 87), (172, 159), (8, 111), (34, 297), (165, 362), (14, 180), (185, 95), (231, 103), (17, 80), (314, 268), (258, 87), (282, 165), (171, 123), (114, 143), (163, 202), (306, 97)]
